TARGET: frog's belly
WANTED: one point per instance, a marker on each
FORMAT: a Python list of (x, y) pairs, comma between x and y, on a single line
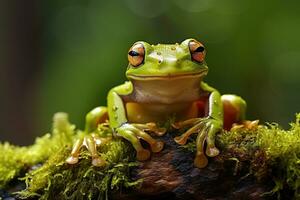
[(143, 113)]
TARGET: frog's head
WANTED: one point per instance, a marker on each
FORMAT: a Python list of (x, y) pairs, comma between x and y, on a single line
[(165, 61)]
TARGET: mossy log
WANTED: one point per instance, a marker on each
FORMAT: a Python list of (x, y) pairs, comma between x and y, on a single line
[(253, 164), (171, 174)]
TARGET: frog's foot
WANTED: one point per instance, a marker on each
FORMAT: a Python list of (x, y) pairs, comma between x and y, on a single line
[(245, 125), (206, 129), (91, 142), (134, 132), (181, 124)]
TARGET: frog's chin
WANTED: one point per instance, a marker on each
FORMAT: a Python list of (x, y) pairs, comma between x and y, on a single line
[(167, 76)]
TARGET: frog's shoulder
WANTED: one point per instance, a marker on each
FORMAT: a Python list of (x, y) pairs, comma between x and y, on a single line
[(205, 87), (123, 89)]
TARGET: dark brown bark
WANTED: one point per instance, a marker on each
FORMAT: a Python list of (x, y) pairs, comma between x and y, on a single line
[(171, 174)]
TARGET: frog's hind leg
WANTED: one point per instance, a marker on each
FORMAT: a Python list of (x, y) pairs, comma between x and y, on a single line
[(93, 118), (234, 113)]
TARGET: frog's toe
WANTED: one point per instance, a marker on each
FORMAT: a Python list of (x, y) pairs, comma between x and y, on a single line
[(143, 154), (72, 160), (200, 160), (247, 124), (212, 151), (157, 146), (98, 161), (180, 140), (181, 124), (160, 131), (176, 125), (151, 127), (251, 125), (237, 127)]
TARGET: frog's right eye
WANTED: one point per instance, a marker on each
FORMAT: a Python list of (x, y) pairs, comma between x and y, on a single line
[(136, 54)]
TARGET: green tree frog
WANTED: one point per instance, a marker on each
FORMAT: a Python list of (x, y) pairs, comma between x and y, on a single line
[(165, 80)]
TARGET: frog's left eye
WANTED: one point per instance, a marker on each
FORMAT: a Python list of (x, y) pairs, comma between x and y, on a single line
[(197, 51), (136, 54)]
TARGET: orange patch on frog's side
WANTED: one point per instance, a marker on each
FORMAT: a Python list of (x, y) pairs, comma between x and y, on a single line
[(202, 107), (103, 118), (231, 114)]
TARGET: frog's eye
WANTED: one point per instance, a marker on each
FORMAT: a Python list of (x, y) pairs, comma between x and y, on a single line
[(136, 54), (197, 51)]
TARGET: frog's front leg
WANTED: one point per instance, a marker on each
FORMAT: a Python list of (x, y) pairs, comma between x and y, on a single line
[(131, 131), (205, 127), (90, 140)]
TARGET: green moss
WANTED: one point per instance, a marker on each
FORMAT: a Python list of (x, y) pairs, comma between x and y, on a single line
[(56, 179), (242, 147), (272, 152), (14, 159), (282, 149)]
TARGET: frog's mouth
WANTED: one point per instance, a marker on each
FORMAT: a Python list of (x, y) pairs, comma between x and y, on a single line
[(168, 76)]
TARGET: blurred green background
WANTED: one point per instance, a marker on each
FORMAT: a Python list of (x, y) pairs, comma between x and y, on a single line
[(65, 55)]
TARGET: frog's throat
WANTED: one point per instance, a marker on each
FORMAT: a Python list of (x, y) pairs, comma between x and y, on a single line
[(159, 90), (167, 76)]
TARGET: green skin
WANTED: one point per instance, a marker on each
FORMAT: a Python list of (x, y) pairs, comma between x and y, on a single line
[(167, 84)]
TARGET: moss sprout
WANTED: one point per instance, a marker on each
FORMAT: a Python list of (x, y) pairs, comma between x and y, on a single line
[(14, 160)]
